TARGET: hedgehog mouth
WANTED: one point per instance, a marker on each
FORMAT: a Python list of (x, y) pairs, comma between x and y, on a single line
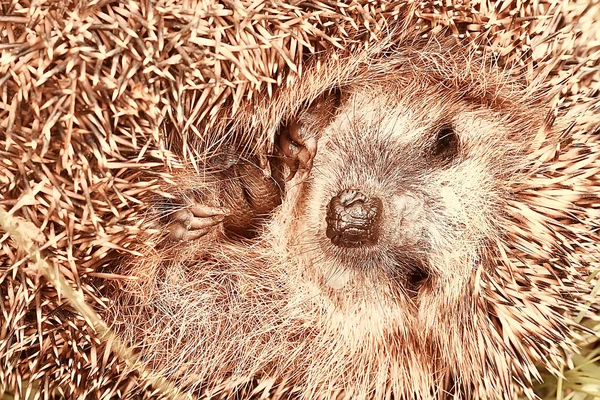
[(416, 279), (406, 271), (412, 274)]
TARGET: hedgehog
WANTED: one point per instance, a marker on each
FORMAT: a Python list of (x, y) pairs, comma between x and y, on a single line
[(378, 266), (156, 158)]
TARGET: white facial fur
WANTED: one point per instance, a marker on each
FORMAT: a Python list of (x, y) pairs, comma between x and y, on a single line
[(436, 215)]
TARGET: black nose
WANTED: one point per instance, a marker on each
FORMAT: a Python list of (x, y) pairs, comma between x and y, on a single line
[(353, 219)]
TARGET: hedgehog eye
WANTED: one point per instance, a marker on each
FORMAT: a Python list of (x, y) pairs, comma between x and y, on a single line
[(446, 143)]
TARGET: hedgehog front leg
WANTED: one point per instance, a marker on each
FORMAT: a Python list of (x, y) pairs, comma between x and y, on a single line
[(196, 221)]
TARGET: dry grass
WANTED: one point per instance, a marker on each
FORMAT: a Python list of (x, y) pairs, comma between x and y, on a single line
[(581, 374)]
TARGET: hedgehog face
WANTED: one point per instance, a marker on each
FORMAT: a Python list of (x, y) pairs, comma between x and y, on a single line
[(398, 205)]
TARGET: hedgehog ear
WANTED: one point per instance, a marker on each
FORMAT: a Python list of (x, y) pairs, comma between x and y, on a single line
[(298, 139)]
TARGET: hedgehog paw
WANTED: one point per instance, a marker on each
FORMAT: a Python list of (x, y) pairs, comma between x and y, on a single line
[(298, 152), (194, 222)]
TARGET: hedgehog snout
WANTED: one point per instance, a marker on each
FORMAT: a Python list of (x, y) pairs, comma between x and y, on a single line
[(353, 219)]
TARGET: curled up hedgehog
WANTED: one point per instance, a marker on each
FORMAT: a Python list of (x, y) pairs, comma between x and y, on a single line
[(411, 239), (296, 200)]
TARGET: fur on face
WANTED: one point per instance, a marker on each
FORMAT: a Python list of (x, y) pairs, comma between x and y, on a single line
[(440, 166)]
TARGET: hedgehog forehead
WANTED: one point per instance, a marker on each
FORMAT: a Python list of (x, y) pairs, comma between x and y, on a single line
[(373, 113)]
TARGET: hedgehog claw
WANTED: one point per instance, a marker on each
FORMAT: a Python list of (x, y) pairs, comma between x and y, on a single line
[(293, 170), (298, 153), (263, 161), (307, 154), (294, 131)]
